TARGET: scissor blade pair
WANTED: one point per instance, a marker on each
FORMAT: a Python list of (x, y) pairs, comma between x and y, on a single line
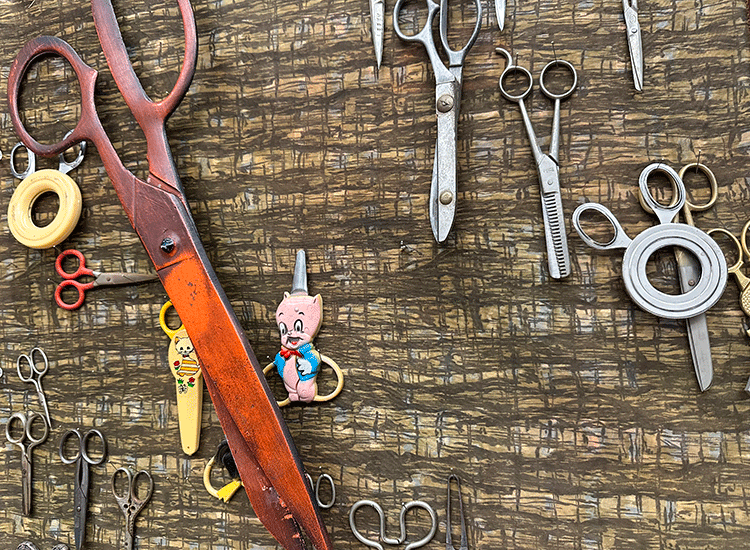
[(114, 279), (80, 502), (377, 15), (443, 188), (635, 46), (500, 13), (700, 345)]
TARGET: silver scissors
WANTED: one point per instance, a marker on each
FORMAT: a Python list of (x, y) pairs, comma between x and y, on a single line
[(635, 45), (689, 273), (82, 460), (500, 13), (377, 17), (402, 522), (29, 360), (64, 165), (26, 421), (130, 503), (448, 80), (713, 266), (548, 166)]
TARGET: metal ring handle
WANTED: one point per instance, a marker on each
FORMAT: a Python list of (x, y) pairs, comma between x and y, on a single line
[(31, 163), (510, 69), (330, 503), (620, 238), (66, 166), (665, 213), (63, 439), (567, 93), (738, 264), (353, 524), (84, 450), (711, 182)]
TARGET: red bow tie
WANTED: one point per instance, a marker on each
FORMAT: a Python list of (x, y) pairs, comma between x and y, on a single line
[(287, 353)]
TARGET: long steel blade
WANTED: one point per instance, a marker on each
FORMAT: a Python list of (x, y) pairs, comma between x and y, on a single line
[(635, 45), (377, 16), (443, 189)]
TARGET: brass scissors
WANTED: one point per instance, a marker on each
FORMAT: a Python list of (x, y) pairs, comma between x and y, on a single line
[(33, 370), (82, 460), (129, 501), (743, 253), (101, 278), (26, 420), (158, 209), (689, 272)]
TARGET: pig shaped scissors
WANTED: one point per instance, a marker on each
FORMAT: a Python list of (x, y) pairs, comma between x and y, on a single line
[(299, 317)]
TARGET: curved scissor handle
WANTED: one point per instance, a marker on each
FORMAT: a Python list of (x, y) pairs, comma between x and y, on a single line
[(665, 213), (329, 479), (29, 359), (735, 268), (402, 523), (711, 182), (567, 93), (80, 270), (70, 279), (163, 321), (129, 501), (324, 359), (82, 446), (30, 163), (424, 36), (456, 57), (66, 166), (620, 238), (511, 68), (26, 421)]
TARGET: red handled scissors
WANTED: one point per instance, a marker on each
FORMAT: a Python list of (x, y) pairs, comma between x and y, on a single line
[(100, 279), (266, 457)]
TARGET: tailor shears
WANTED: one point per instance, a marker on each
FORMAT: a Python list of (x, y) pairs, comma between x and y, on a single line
[(157, 208), (100, 279), (548, 166), (377, 17), (26, 442), (129, 502), (33, 370), (448, 81), (635, 45), (82, 460), (703, 293), (689, 273)]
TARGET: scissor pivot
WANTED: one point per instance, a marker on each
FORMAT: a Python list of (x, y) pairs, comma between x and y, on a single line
[(167, 245), (446, 197), (445, 103)]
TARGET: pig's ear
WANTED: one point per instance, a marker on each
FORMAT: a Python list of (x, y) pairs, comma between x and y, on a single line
[(318, 301), (286, 295)]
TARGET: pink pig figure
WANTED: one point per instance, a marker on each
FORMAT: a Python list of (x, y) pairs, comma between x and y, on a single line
[(299, 317)]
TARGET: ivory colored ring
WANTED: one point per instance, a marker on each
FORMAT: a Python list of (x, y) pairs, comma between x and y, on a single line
[(20, 220)]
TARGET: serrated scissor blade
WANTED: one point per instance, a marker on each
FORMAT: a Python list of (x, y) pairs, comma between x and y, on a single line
[(558, 258)]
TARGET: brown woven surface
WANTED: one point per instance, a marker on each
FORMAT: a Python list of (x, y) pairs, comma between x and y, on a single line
[(573, 418)]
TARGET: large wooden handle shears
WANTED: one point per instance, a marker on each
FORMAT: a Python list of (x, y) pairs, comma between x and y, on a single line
[(266, 457)]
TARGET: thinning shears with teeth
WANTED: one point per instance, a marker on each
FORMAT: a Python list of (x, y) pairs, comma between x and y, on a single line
[(448, 81), (548, 166), (157, 207)]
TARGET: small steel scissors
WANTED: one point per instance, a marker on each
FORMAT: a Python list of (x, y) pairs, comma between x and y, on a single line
[(29, 360), (82, 460), (100, 279), (689, 273), (635, 45), (548, 166), (26, 421), (713, 267), (129, 502), (448, 81), (402, 522)]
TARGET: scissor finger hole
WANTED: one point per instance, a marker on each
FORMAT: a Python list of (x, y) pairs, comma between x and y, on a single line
[(596, 227), (412, 17), (49, 76), (462, 18), (662, 270), (558, 79), (94, 447), (169, 318), (699, 195), (663, 191), (734, 258), (515, 83)]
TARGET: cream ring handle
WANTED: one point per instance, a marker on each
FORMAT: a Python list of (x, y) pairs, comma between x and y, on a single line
[(320, 398)]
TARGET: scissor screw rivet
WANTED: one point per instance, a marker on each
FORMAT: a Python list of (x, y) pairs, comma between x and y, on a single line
[(446, 197), (445, 103), (167, 245)]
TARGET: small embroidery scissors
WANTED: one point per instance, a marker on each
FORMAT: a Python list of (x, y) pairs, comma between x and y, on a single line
[(402, 522), (29, 360), (689, 273), (100, 279), (548, 166), (448, 81), (82, 460), (743, 253), (635, 45), (129, 501), (713, 267), (26, 420)]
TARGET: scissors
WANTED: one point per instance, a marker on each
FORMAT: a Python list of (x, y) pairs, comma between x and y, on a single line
[(159, 212), (548, 166), (129, 501), (402, 522), (635, 46), (64, 166), (82, 460), (713, 267), (29, 360), (377, 17), (500, 13), (448, 81), (689, 273), (100, 279), (26, 420)]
